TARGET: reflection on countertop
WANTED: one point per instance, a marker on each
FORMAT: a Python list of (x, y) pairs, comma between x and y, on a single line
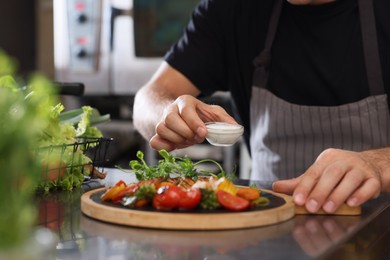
[(303, 237)]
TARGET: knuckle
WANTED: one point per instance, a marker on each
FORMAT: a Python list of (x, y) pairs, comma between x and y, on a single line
[(329, 152), (185, 109), (159, 128), (335, 170), (217, 108), (354, 179), (376, 186), (183, 99), (170, 118)]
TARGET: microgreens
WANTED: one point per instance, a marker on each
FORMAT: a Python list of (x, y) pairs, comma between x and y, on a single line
[(171, 165)]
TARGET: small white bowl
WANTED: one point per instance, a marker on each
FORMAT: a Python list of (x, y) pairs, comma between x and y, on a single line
[(223, 134)]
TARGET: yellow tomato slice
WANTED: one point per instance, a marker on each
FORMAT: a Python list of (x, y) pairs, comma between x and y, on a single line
[(112, 192)]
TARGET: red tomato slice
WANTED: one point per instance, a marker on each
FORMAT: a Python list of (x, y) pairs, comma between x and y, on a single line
[(232, 202), (167, 197), (191, 198), (119, 183)]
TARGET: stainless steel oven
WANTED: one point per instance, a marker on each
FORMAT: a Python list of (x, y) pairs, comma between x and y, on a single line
[(114, 47)]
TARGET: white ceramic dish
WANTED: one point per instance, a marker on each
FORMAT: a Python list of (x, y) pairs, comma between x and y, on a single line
[(223, 134)]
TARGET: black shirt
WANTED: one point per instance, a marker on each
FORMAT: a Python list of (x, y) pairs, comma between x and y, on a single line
[(317, 56)]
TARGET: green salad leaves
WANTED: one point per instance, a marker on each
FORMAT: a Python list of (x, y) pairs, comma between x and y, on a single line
[(22, 120), (56, 133), (64, 140), (35, 132)]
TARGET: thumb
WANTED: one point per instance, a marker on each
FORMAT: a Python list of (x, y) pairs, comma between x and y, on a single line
[(285, 186)]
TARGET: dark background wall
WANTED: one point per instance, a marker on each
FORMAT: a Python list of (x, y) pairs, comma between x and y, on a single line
[(18, 32)]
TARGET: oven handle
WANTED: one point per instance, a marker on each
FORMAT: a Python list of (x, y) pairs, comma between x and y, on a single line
[(70, 88), (114, 13)]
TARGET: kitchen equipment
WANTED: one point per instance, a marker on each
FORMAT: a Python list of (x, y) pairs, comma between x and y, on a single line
[(114, 46)]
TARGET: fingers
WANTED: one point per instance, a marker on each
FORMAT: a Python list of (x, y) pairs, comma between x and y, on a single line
[(351, 181), (326, 181), (336, 177), (158, 143), (189, 115), (369, 190), (175, 130), (183, 123), (308, 181), (180, 126), (285, 186), (305, 186), (214, 113)]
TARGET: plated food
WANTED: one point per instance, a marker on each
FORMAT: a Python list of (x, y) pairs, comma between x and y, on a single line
[(176, 184), (175, 194), (279, 208), (181, 194)]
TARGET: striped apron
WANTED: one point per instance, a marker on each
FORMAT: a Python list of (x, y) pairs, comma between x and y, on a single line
[(287, 138)]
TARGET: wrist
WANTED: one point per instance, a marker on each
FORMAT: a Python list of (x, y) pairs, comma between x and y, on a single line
[(380, 160)]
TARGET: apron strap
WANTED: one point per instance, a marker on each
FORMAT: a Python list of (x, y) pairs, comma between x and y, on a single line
[(263, 60), (370, 48)]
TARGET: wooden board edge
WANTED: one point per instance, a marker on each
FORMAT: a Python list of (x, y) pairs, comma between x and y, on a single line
[(187, 221), (344, 209)]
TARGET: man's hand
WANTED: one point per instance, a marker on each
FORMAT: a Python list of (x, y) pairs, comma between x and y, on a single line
[(167, 112), (339, 176), (183, 123)]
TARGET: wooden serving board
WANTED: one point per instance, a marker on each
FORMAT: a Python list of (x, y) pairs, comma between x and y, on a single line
[(344, 209), (279, 209)]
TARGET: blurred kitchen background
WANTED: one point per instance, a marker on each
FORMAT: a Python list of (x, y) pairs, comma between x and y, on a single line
[(113, 48)]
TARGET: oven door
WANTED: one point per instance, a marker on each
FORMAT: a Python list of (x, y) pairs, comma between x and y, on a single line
[(129, 71), (94, 44), (143, 31)]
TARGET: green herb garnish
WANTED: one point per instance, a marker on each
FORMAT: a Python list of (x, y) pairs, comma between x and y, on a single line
[(146, 192), (171, 165), (209, 199), (261, 201)]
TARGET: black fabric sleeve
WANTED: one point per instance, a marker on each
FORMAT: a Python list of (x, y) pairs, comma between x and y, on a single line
[(198, 54)]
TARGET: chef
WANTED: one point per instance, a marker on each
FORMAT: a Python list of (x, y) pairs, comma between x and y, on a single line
[(309, 81)]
